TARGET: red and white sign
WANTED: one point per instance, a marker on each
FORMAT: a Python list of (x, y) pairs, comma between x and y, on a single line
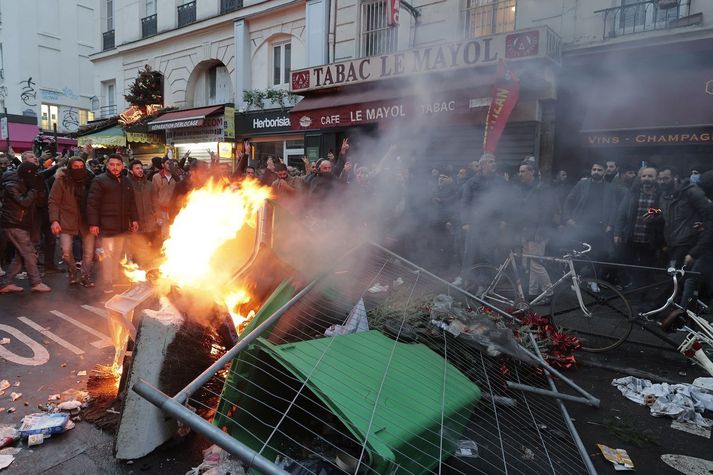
[(394, 7), (474, 52)]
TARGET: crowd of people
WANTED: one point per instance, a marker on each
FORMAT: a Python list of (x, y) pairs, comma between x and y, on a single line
[(446, 220)]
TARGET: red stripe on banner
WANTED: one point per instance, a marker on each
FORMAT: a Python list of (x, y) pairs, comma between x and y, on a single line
[(506, 92)]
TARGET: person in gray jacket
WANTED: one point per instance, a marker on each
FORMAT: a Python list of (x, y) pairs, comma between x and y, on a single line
[(145, 244)]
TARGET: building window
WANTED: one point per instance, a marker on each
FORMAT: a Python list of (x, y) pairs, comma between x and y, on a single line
[(49, 116), (85, 116), (377, 37), (487, 17), (150, 7), (109, 15), (281, 63), (108, 109)]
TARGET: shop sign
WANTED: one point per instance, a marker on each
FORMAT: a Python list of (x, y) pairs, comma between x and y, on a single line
[(639, 138), (263, 122), (385, 111), (394, 8), (211, 130), (474, 52), (229, 132)]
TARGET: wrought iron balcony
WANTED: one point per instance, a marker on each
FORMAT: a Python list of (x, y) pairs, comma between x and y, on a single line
[(647, 15), (489, 18), (107, 111), (186, 13), (227, 6), (107, 40), (148, 26)]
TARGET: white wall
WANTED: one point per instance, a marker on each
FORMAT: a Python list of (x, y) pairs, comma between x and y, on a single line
[(49, 41)]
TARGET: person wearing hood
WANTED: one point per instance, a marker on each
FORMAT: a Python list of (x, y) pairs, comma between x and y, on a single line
[(699, 258), (22, 189), (68, 218)]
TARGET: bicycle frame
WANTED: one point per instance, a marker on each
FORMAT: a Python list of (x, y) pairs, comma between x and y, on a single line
[(511, 261), (691, 346)]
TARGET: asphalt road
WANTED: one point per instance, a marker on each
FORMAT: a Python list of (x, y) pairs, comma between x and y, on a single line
[(56, 335)]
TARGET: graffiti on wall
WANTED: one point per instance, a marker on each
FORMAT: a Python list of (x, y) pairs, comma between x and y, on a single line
[(28, 95)]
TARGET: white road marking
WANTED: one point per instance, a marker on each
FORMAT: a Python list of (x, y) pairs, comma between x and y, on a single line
[(40, 355), (97, 311), (104, 340), (51, 336)]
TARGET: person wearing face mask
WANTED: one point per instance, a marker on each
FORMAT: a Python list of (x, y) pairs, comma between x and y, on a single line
[(67, 215), (635, 236), (22, 189), (683, 207), (695, 176), (589, 212)]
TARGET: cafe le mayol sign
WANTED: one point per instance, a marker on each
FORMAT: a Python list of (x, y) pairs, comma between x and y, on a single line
[(526, 44)]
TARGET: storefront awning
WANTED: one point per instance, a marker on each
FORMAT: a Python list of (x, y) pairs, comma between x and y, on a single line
[(347, 109), (111, 137), (184, 118), (22, 136)]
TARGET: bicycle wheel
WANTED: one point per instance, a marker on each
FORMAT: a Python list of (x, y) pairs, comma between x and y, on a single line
[(611, 320), (503, 292)]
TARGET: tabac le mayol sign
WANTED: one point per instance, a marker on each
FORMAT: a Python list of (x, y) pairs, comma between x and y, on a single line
[(484, 51)]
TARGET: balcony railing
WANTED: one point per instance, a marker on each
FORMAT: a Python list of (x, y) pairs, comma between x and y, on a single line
[(377, 36), (489, 19), (647, 15), (107, 40), (227, 6), (148, 26), (186, 14), (107, 111)]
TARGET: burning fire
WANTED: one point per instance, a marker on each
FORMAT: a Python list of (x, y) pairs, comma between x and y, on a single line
[(195, 255)]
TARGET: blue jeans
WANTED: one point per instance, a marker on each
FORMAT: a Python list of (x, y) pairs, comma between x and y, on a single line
[(113, 252), (25, 255)]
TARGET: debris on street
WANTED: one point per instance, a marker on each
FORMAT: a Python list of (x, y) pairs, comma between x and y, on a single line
[(217, 461), (4, 384), (619, 457), (683, 402), (43, 423), (5, 461), (15, 396), (5, 341)]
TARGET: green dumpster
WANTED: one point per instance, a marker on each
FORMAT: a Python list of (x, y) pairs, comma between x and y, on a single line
[(391, 391)]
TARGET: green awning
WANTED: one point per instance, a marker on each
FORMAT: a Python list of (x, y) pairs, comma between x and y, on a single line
[(111, 137)]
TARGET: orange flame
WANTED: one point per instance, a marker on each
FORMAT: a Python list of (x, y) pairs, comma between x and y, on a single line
[(132, 270)]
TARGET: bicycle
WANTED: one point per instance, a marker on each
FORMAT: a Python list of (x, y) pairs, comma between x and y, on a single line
[(696, 342), (590, 308)]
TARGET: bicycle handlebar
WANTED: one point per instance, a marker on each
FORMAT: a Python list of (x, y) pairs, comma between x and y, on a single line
[(675, 274), (586, 247)]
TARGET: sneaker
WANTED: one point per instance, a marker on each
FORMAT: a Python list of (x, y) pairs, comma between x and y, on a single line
[(41, 287), (21, 276), (458, 282), (11, 288), (86, 282)]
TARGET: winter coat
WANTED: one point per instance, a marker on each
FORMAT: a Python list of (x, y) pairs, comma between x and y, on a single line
[(680, 210), (146, 206), (626, 217), (111, 205), (163, 187), (19, 203), (485, 201), (535, 212), (65, 207), (577, 201)]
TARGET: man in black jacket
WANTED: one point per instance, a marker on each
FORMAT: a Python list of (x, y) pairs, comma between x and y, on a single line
[(635, 236), (111, 214), (19, 213)]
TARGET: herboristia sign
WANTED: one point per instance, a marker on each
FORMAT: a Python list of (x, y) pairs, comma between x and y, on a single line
[(526, 44)]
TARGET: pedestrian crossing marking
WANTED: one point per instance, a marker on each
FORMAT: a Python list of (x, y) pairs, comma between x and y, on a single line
[(60, 341), (103, 342), (40, 355), (97, 311)]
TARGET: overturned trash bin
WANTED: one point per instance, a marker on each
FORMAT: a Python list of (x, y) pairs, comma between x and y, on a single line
[(403, 407)]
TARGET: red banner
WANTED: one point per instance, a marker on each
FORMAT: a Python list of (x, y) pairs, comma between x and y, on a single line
[(506, 91)]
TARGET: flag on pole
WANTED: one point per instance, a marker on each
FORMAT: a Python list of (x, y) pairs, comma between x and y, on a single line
[(506, 91)]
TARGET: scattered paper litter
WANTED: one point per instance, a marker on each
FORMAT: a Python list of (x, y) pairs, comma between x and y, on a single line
[(4, 341), (53, 397), (4, 384), (17, 384), (81, 373), (15, 396), (69, 405), (618, 457), (5, 461)]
